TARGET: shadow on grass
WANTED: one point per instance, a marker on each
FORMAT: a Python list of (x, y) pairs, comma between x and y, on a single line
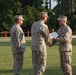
[(27, 72), (5, 43), (10, 72), (53, 71), (74, 42), (49, 71), (58, 71), (74, 70), (5, 72), (28, 43)]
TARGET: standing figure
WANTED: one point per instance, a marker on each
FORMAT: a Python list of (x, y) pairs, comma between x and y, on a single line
[(65, 45), (17, 44), (40, 37)]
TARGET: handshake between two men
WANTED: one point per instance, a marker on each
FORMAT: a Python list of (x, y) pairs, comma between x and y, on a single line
[(54, 36)]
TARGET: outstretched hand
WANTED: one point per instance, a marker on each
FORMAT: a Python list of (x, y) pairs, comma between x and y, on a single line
[(54, 39)]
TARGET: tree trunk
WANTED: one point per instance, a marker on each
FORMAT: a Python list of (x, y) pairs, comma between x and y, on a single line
[(58, 7), (50, 4), (72, 6), (63, 11)]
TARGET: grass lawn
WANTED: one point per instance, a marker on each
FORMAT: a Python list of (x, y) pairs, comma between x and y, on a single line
[(53, 62)]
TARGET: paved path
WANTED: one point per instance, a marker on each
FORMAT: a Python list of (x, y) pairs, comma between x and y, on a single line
[(27, 38), (74, 36), (2, 39)]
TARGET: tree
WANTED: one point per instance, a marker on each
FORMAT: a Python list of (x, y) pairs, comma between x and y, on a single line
[(58, 5), (50, 4), (72, 6), (47, 4), (31, 14), (35, 3), (5, 14), (64, 7), (28, 8), (8, 9)]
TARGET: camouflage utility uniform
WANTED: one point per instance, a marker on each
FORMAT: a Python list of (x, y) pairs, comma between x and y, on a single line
[(18, 47), (40, 36), (65, 48)]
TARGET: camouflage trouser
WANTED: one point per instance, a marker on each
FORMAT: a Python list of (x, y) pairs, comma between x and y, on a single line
[(39, 62), (66, 62), (18, 62)]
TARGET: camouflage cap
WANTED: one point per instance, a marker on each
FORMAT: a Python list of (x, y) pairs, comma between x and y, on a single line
[(62, 17), (43, 14), (19, 17)]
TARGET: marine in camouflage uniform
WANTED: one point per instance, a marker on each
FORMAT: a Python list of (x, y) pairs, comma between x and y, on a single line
[(17, 44), (65, 46), (40, 37)]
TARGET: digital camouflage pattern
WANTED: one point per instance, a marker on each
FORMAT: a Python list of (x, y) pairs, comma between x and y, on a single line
[(66, 62), (65, 38), (40, 37), (18, 47), (65, 48)]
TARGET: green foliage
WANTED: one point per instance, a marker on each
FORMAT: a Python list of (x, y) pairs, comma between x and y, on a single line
[(17, 8), (72, 20), (35, 3), (31, 14), (30, 10), (9, 8), (51, 22), (5, 15), (64, 7), (67, 8)]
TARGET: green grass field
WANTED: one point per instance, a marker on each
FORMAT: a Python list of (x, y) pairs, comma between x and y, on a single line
[(53, 62)]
